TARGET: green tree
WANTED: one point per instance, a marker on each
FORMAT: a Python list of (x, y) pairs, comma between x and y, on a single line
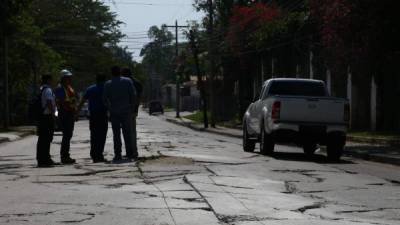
[(48, 35), (158, 55), (83, 32)]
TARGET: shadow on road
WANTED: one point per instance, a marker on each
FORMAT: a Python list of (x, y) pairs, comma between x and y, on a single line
[(301, 157)]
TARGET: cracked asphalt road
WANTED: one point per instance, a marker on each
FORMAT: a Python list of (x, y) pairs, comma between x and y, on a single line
[(186, 177)]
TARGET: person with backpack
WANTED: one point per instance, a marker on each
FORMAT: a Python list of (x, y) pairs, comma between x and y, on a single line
[(98, 119), (66, 101), (126, 72), (119, 97), (45, 114)]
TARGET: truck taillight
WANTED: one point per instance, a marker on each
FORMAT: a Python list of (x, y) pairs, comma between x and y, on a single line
[(276, 110), (346, 113)]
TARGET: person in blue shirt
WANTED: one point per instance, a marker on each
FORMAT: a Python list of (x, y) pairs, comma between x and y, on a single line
[(98, 120), (119, 97), (46, 123)]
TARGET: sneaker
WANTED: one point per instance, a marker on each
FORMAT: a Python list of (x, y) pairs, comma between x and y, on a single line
[(45, 165), (132, 157), (51, 162), (100, 160), (67, 161), (117, 158)]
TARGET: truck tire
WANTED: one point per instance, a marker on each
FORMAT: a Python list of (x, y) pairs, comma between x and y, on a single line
[(309, 148), (335, 147), (248, 144), (267, 143)]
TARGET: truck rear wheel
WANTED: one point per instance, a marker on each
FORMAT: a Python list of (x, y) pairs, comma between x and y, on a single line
[(267, 143), (335, 147), (248, 144), (309, 148)]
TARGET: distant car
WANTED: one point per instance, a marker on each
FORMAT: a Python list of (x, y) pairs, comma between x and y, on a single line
[(84, 111), (154, 107)]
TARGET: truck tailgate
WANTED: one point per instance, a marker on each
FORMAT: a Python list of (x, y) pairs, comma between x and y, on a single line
[(312, 110)]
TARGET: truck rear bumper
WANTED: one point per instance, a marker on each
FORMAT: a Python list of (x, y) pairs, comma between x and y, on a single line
[(303, 133)]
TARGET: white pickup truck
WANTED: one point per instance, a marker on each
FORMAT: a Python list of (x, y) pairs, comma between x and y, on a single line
[(297, 111)]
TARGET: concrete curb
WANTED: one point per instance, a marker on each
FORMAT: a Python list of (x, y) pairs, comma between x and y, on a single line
[(365, 156), (374, 141), (193, 126), (374, 158), (381, 158)]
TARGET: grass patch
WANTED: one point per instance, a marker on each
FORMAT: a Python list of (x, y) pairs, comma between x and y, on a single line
[(378, 134), (233, 123), (197, 117), (169, 109)]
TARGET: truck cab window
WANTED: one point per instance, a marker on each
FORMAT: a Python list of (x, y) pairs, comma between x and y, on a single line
[(298, 88)]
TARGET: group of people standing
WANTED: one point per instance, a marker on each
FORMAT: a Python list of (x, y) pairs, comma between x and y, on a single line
[(116, 100)]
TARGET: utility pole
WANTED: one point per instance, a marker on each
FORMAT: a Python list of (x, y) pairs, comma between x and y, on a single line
[(200, 83), (5, 81), (211, 50), (178, 97), (6, 89), (5, 84)]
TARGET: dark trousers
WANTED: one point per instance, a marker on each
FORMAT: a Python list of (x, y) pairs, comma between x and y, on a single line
[(98, 124), (67, 121), (124, 122), (134, 133), (45, 132)]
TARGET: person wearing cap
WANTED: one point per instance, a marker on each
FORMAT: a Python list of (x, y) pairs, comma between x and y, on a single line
[(98, 120), (119, 97), (66, 103)]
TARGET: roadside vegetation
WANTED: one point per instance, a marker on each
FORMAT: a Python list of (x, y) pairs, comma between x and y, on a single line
[(44, 36), (197, 117), (379, 135)]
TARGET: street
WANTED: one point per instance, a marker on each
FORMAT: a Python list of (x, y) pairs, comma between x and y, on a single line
[(187, 177)]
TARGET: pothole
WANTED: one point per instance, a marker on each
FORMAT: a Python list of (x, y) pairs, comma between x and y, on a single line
[(168, 161)]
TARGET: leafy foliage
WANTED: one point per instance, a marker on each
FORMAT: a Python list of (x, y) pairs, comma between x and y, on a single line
[(48, 35), (245, 23), (158, 54), (357, 33)]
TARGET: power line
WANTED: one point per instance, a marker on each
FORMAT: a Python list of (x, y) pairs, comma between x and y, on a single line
[(145, 3)]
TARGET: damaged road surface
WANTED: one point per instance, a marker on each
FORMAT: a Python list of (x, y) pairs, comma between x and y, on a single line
[(187, 177)]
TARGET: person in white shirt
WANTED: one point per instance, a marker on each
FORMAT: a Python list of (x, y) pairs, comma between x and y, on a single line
[(46, 123)]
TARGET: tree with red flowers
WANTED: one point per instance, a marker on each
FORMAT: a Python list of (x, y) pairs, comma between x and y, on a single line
[(245, 22), (356, 32)]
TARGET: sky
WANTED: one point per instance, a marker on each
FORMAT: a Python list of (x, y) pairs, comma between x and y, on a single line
[(139, 15)]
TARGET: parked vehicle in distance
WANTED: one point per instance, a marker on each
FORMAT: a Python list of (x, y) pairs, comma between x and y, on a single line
[(84, 111), (296, 111), (155, 106)]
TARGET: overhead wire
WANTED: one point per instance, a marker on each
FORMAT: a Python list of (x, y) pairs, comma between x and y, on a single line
[(130, 37)]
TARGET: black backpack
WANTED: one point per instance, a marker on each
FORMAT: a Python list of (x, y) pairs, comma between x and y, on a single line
[(35, 108)]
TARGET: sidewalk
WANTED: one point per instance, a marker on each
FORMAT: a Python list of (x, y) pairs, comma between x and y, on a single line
[(372, 149), (170, 117), (16, 133)]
